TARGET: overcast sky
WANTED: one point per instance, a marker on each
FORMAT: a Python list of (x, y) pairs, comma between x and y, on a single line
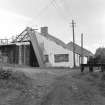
[(89, 16)]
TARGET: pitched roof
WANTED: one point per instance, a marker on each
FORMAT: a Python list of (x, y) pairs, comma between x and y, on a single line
[(24, 36), (78, 49), (68, 46), (56, 40)]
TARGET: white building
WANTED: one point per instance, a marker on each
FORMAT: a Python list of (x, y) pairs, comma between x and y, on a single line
[(86, 53), (57, 53)]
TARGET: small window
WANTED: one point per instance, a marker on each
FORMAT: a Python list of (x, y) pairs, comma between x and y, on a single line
[(46, 58), (61, 57)]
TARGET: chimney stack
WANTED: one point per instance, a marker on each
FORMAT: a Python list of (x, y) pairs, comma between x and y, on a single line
[(44, 30)]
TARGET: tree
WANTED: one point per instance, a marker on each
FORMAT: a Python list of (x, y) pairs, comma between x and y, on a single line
[(91, 60), (100, 55)]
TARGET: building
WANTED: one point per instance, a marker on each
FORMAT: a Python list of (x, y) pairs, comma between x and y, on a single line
[(52, 51), (86, 53), (32, 48)]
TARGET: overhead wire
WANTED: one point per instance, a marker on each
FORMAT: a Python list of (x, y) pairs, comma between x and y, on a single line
[(41, 12), (44, 9), (58, 8), (55, 5)]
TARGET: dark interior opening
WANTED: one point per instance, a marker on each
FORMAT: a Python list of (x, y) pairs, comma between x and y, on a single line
[(33, 58), (10, 53)]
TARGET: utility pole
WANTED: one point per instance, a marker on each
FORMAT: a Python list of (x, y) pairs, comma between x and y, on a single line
[(73, 42), (82, 48)]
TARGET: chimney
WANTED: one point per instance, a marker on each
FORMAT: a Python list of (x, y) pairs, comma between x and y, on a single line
[(44, 30)]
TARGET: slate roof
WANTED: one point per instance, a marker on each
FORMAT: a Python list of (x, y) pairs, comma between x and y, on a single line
[(78, 49)]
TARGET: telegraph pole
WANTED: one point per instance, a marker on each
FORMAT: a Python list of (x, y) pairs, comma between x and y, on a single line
[(82, 48), (73, 42)]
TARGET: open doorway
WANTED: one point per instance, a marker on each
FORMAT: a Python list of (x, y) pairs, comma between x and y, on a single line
[(33, 58)]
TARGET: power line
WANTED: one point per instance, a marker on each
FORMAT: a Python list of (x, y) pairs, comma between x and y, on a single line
[(45, 8), (42, 11), (62, 5), (55, 5), (58, 8)]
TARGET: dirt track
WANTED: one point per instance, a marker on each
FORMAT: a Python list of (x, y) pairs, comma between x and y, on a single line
[(47, 88), (68, 90)]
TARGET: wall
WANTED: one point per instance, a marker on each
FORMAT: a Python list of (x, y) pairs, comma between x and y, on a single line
[(77, 60), (9, 54), (85, 60), (51, 48), (23, 53)]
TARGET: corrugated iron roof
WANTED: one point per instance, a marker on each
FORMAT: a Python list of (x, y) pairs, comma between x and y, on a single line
[(56, 40), (78, 49), (68, 46)]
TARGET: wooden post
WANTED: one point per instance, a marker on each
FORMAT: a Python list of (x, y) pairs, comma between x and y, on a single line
[(73, 42), (82, 49), (20, 55), (24, 54)]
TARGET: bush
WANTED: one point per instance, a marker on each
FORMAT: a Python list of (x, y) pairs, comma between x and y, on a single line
[(19, 82), (103, 77), (91, 60), (100, 55), (15, 76), (5, 74)]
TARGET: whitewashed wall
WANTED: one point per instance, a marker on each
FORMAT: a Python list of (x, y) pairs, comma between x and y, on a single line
[(77, 59), (85, 60), (50, 47)]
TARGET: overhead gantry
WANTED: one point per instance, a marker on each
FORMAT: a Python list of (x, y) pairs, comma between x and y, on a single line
[(29, 35)]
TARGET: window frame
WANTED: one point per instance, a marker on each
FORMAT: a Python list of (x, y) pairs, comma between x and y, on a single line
[(46, 60), (61, 58)]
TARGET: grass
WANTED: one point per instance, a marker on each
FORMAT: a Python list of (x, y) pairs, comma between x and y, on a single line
[(18, 82), (75, 90), (43, 88), (21, 89)]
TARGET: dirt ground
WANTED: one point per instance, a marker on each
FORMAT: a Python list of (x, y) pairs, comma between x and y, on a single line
[(53, 88), (75, 90)]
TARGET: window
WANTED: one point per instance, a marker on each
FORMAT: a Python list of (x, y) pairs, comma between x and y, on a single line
[(46, 58), (61, 57)]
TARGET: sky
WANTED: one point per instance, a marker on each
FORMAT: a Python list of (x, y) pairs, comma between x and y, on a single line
[(89, 16)]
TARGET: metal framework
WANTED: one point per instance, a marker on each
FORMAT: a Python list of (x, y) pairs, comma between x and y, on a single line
[(22, 36), (29, 35)]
